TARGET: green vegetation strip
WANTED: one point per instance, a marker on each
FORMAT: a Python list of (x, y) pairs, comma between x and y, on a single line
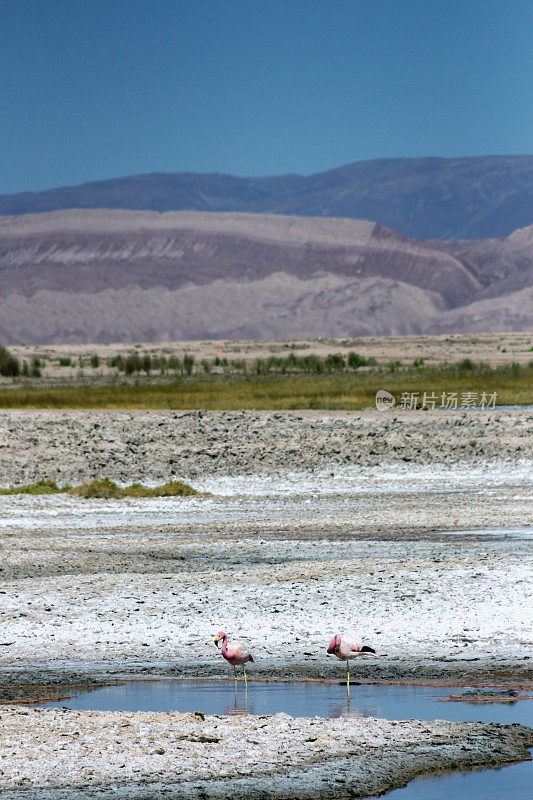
[(513, 385), (105, 489), (44, 486)]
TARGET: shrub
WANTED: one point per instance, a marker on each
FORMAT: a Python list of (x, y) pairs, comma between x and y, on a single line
[(25, 369), (271, 363), (355, 360), (188, 363), (44, 486), (117, 362), (312, 363), (107, 489), (95, 361), (147, 363), (335, 362), (206, 366), (132, 364), (9, 365), (175, 364), (65, 362)]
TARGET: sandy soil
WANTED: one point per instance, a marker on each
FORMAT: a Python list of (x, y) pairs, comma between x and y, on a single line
[(55, 754)]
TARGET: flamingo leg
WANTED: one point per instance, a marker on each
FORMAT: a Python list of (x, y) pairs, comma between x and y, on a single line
[(348, 677), (235, 676), (245, 680)]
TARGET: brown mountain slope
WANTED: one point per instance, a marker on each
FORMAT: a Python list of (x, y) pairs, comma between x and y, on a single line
[(112, 249), (276, 306), (110, 275), (508, 312)]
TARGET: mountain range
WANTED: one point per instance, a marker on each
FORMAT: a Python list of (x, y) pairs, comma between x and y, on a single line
[(423, 198), (114, 275)]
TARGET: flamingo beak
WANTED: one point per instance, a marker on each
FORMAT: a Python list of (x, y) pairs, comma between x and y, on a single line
[(217, 640)]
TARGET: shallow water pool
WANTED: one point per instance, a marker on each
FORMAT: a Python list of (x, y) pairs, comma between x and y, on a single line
[(504, 783), (329, 700), (296, 699)]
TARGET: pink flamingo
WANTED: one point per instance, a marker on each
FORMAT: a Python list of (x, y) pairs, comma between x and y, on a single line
[(345, 648), (235, 653)]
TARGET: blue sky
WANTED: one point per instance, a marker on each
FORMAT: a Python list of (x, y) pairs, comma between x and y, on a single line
[(93, 89)]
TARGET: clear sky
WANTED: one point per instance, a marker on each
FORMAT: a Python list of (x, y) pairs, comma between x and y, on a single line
[(93, 89)]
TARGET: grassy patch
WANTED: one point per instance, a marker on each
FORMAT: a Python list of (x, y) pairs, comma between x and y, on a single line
[(105, 489), (108, 489), (513, 385), (44, 486)]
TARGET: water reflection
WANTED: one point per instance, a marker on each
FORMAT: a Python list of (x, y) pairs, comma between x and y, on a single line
[(347, 709), (477, 784), (296, 699), (239, 705)]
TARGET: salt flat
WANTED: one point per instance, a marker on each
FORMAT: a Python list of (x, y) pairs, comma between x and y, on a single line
[(428, 560), (430, 564)]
